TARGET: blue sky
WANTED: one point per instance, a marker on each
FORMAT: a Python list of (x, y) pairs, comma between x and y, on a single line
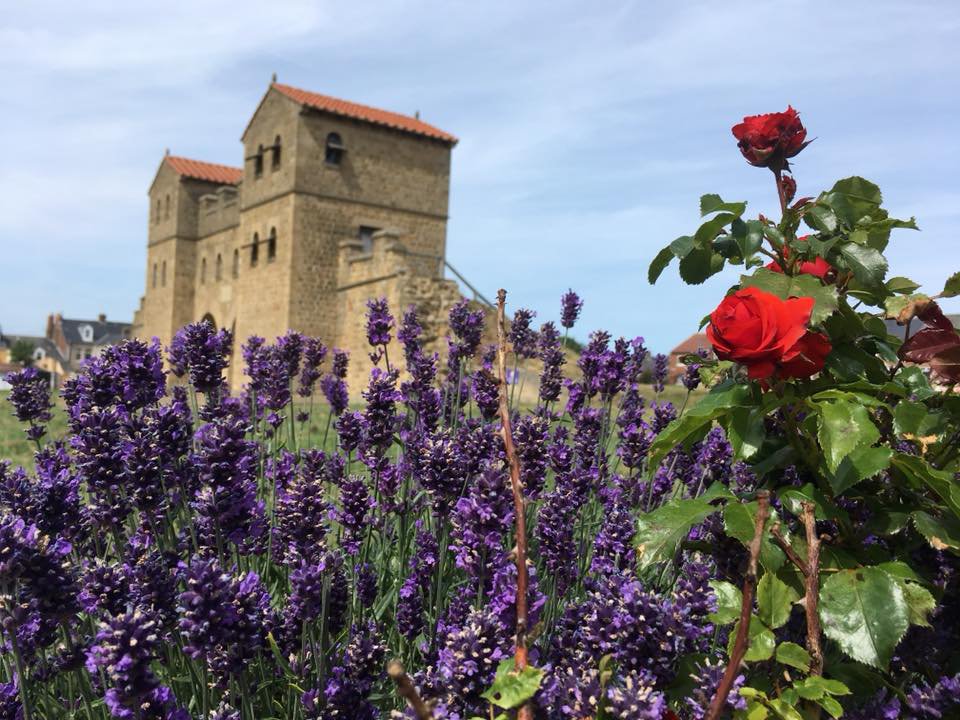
[(588, 131)]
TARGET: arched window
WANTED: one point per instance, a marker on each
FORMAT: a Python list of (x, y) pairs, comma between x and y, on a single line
[(166, 208), (163, 274), (208, 318), (236, 263), (335, 149), (203, 271), (276, 153), (219, 271), (154, 274), (258, 162), (255, 250), (272, 245), (156, 215)]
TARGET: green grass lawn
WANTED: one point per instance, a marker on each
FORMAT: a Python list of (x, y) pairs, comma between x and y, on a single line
[(14, 445)]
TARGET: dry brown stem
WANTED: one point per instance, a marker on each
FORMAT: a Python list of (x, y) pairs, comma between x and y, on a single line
[(519, 513), (746, 610), (407, 691), (812, 587)]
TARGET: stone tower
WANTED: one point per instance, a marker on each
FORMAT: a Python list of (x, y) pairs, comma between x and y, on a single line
[(335, 203)]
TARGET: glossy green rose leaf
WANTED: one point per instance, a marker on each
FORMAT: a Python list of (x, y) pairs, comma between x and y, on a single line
[(789, 653), (660, 532), (760, 641), (700, 264), (775, 600), (843, 428), (861, 464), (711, 203), (865, 612), (951, 288), (868, 265), (940, 482), (512, 689), (786, 286), (942, 533), (729, 600), (659, 264), (739, 521), (720, 400)]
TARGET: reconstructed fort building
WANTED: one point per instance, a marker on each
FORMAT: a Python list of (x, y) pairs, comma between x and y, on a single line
[(335, 203)]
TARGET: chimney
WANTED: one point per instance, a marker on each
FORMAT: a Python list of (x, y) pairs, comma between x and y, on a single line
[(102, 317)]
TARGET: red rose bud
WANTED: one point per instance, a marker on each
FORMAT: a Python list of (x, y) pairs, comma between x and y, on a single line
[(789, 186), (818, 267), (767, 335), (770, 140)]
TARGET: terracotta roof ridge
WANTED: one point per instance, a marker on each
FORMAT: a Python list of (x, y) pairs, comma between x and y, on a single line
[(204, 170), (368, 113)]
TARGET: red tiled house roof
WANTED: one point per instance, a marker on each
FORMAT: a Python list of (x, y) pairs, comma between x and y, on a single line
[(692, 344), (209, 172), (345, 108)]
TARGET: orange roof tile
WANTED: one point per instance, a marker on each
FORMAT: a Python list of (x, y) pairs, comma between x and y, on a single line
[(695, 342), (333, 105), (210, 172)]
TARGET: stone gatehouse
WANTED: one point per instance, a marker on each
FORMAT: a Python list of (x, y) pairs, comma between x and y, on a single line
[(335, 203)]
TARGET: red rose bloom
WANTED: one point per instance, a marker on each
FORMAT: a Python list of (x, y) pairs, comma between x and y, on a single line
[(818, 267), (767, 335), (769, 140)]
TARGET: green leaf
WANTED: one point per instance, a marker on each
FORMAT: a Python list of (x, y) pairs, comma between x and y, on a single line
[(826, 686), (785, 286), (867, 264), (712, 203), (738, 522), (682, 246), (660, 532), (746, 431), (853, 199), (833, 708), (909, 417), (775, 599), (844, 427), (755, 710), (789, 653), (942, 533), (714, 404), (821, 218), (699, 265), (861, 464), (711, 228), (941, 482), (920, 603), (659, 264), (729, 601), (784, 710), (865, 612), (512, 689), (901, 285), (952, 287), (747, 235), (760, 641)]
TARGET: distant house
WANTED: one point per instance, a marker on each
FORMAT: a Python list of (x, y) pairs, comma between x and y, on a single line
[(66, 344), (898, 330), (675, 368)]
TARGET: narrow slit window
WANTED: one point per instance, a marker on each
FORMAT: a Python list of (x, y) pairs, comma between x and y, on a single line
[(335, 149), (276, 153), (272, 245), (258, 163), (219, 270), (255, 250), (236, 263), (203, 271)]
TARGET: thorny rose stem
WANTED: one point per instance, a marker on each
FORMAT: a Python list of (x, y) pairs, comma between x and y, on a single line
[(746, 609), (812, 587), (520, 655)]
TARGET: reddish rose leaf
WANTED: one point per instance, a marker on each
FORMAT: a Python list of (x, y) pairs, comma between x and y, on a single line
[(938, 337)]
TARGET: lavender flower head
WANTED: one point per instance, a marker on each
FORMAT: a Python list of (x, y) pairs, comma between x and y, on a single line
[(570, 307), (380, 322), (201, 351), (30, 397), (660, 365), (314, 353), (691, 376), (522, 337), (124, 650)]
